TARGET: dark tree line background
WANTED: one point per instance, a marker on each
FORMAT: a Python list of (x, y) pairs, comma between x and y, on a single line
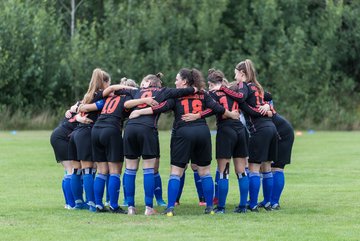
[(306, 52)]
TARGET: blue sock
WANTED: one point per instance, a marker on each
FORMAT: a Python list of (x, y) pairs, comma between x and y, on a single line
[(254, 187), (114, 190), (129, 180), (198, 185), (217, 176), (173, 190), (149, 186), (158, 186), (88, 180), (67, 189), (63, 189), (243, 181), (223, 189), (268, 183), (99, 187), (107, 189), (182, 181), (279, 183), (76, 186), (208, 189), (124, 186)]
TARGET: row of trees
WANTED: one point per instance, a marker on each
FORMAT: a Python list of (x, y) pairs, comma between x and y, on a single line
[(305, 51)]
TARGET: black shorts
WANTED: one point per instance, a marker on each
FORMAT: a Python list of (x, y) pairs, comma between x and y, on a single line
[(72, 148), (285, 143), (140, 140), (60, 139), (191, 142), (107, 144), (82, 141), (263, 145), (231, 141)]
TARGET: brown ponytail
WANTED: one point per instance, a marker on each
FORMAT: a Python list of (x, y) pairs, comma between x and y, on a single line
[(247, 67), (96, 83), (215, 76), (155, 80), (193, 78)]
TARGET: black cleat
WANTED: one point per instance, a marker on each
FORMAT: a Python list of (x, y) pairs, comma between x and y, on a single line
[(275, 206), (267, 206), (209, 210), (101, 209), (219, 210), (118, 210), (169, 212), (240, 209), (254, 209)]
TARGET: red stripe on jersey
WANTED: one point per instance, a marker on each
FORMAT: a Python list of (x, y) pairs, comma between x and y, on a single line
[(232, 93), (205, 112), (159, 106)]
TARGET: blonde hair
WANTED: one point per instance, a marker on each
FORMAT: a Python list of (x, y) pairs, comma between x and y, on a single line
[(98, 78), (128, 82), (247, 67), (155, 79)]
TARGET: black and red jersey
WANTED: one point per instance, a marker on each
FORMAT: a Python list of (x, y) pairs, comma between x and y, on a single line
[(195, 103), (159, 94), (93, 115), (228, 103), (113, 113), (234, 100), (255, 99)]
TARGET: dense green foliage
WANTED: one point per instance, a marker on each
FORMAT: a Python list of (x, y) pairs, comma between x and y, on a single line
[(305, 51), (319, 201)]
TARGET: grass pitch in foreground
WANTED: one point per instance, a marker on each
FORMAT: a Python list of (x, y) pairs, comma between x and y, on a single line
[(320, 200)]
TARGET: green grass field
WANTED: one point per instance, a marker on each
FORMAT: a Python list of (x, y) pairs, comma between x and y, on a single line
[(320, 200)]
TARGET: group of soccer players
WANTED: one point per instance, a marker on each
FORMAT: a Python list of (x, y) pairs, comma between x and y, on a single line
[(90, 145)]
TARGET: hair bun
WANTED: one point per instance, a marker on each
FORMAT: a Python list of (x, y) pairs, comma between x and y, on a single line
[(212, 70), (159, 75)]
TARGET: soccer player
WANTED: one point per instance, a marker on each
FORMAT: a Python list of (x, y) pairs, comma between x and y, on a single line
[(59, 140), (186, 145), (106, 139), (286, 139), (81, 144), (263, 136), (141, 139)]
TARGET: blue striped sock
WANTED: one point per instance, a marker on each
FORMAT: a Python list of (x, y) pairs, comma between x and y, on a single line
[(243, 181), (198, 185), (67, 189), (223, 189), (149, 186), (254, 187), (173, 190), (158, 186), (88, 180), (129, 180), (208, 189), (114, 190), (99, 187), (268, 183), (279, 183), (76, 186)]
